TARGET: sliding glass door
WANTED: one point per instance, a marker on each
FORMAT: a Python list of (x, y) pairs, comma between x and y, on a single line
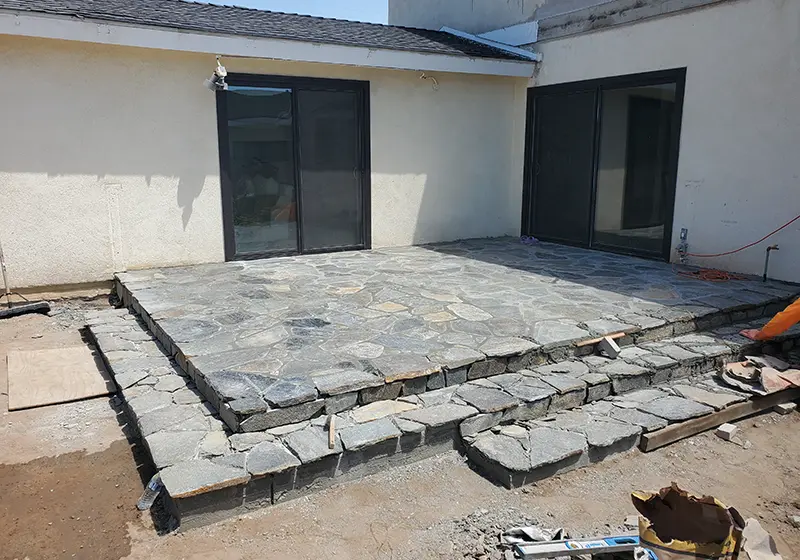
[(602, 162), (293, 155)]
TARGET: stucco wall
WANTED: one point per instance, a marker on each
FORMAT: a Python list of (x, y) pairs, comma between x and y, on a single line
[(739, 170), (109, 157)]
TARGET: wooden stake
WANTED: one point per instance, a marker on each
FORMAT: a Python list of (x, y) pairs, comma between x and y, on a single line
[(671, 434), (331, 432)]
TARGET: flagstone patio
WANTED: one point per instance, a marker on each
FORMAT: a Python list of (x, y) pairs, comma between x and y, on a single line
[(283, 338)]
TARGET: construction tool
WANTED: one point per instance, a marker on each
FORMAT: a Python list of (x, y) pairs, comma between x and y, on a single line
[(18, 308), (577, 547)]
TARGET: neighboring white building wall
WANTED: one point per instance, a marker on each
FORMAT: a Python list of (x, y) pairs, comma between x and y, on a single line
[(109, 157), (472, 16), (739, 170)]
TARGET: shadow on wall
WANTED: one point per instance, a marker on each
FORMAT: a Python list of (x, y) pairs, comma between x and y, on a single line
[(95, 116)]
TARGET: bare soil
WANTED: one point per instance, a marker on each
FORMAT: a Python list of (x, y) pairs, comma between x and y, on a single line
[(76, 505), (71, 465)]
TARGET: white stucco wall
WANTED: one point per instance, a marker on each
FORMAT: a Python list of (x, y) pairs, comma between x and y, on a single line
[(109, 157), (739, 170)]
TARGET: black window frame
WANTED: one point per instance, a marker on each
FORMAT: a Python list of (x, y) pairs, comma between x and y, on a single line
[(295, 83), (597, 86)]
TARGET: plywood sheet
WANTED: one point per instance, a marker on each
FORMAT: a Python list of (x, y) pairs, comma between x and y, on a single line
[(42, 377)]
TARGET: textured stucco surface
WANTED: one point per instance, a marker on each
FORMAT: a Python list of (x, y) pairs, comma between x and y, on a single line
[(113, 160), (738, 174)]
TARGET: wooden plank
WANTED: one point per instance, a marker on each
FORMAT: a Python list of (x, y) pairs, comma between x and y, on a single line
[(676, 432), (42, 377), (590, 342)]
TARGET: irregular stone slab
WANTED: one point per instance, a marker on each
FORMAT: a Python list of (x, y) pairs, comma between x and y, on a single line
[(338, 381), (626, 377), (486, 399), (486, 368), (469, 312), (172, 418), (441, 396), (200, 476), (398, 367), (564, 383), (657, 361), (408, 427), (551, 445), (675, 409), (186, 396), (279, 431), (557, 333), (515, 431), (270, 457), (245, 442), (712, 351), (311, 444), (603, 327), (388, 307), (384, 392), (230, 385), (677, 353), (248, 406), (648, 422), (608, 438), (440, 415), (367, 434), (529, 389), (340, 403), (149, 402), (717, 401), (456, 377), (435, 381), (215, 444), (633, 353), (170, 448), (506, 347), (641, 396), (479, 423), (129, 379), (282, 416), (380, 409), (170, 384), (572, 368), (507, 452), (290, 391)]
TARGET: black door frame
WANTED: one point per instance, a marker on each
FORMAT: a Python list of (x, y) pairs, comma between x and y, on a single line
[(361, 88), (597, 86)]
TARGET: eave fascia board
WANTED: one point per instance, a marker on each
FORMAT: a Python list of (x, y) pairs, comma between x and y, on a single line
[(107, 33)]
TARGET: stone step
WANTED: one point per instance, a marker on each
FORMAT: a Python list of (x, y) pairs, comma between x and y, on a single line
[(250, 401), (525, 452), (210, 472)]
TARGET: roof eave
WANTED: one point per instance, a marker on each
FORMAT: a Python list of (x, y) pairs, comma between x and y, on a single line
[(110, 33)]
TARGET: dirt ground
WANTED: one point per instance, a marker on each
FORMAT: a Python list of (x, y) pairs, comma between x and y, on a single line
[(69, 481)]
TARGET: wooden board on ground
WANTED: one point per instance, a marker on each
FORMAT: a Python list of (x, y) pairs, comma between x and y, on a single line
[(42, 377), (676, 432)]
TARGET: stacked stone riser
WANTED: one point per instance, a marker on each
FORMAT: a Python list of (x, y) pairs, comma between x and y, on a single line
[(210, 473), (476, 367)]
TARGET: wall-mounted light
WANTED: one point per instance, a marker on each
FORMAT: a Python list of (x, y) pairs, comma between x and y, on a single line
[(217, 80), (435, 82)]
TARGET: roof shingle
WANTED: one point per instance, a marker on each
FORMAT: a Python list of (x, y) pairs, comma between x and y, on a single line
[(233, 20)]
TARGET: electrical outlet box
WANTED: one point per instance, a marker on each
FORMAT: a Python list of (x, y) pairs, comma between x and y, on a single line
[(684, 234)]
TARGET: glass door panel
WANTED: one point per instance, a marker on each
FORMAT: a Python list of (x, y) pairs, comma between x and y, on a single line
[(262, 169), (633, 175), (562, 167), (331, 169)]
